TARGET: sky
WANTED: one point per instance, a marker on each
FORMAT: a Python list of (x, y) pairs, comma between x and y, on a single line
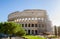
[(51, 6)]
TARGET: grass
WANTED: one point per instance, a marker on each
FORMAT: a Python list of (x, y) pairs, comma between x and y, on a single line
[(34, 37)]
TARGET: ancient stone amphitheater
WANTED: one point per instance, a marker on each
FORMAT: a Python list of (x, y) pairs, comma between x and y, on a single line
[(34, 21)]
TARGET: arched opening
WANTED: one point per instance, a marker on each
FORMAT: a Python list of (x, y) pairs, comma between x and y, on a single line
[(36, 32), (25, 25), (32, 25), (22, 25), (28, 25), (32, 31), (35, 25), (28, 31)]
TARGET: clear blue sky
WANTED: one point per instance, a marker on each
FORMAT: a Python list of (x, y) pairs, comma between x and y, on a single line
[(52, 7)]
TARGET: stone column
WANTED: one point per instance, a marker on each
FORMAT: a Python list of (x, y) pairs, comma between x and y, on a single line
[(34, 29), (24, 25), (27, 24), (34, 32), (41, 28)]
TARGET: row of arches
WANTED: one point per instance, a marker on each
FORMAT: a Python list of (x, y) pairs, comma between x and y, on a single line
[(32, 31), (33, 25), (24, 19)]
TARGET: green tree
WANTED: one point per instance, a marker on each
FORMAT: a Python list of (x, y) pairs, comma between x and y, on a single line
[(11, 28), (1, 28)]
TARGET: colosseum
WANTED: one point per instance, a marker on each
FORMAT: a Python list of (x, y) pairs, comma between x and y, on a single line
[(34, 21)]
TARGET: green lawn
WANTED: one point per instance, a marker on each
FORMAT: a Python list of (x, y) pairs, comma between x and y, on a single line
[(33, 37)]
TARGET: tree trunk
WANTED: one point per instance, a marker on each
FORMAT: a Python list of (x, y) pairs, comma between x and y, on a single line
[(10, 37)]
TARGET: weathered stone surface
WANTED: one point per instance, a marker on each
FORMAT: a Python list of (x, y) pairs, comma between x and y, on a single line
[(37, 18)]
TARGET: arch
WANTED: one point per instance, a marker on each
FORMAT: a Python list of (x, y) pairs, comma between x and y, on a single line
[(28, 25), (28, 31), (36, 32), (22, 25), (25, 25), (32, 25), (32, 31), (35, 25)]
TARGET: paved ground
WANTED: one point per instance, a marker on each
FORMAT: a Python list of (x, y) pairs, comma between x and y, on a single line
[(47, 38), (54, 38)]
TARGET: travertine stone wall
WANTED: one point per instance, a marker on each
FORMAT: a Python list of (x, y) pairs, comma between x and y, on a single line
[(32, 17)]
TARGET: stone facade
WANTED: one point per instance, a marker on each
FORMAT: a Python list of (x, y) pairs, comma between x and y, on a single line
[(34, 21)]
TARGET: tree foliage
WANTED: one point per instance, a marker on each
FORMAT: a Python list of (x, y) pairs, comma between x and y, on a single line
[(1, 28), (11, 28)]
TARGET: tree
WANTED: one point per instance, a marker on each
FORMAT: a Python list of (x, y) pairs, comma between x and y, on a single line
[(1, 27), (58, 30), (11, 28), (55, 28)]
